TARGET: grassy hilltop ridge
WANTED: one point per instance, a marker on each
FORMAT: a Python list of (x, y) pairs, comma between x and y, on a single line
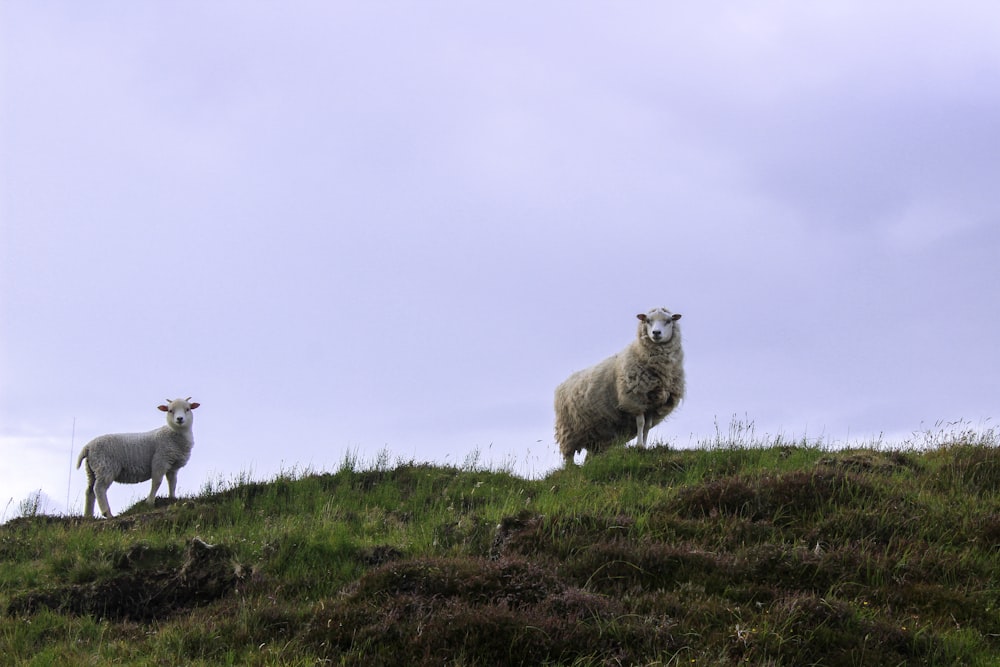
[(775, 554)]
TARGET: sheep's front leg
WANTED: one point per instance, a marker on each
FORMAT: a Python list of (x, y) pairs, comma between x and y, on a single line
[(640, 429), (650, 418), (172, 481), (157, 478)]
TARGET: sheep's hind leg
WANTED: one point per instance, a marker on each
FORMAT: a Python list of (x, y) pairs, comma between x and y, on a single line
[(88, 507), (89, 497), (101, 491)]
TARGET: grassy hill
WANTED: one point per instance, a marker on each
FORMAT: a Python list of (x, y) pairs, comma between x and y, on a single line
[(729, 554)]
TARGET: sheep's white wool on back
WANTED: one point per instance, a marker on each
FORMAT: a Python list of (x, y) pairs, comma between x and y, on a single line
[(131, 456)]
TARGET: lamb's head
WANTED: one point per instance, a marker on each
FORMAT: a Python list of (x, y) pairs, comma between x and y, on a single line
[(179, 415), (657, 326)]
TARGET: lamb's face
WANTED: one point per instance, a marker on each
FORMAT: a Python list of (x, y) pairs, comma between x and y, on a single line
[(658, 324), (179, 412)]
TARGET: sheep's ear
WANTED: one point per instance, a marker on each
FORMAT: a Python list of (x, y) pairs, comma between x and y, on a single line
[(677, 316), (194, 405), (162, 408), (642, 316)]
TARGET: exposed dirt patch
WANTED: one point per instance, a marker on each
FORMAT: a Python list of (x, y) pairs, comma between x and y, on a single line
[(511, 527), (379, 555), (143, 589)]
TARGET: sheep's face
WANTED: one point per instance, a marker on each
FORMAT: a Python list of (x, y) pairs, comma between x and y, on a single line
[(179, 412), (657, 325)]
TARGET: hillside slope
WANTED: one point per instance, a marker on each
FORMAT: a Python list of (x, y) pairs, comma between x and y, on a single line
[(782, 555)]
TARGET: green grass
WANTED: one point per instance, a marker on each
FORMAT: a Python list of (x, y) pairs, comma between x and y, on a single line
[(739, 552)]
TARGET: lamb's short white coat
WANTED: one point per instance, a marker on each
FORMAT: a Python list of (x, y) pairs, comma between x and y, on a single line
[(130, 458), (625, 395)]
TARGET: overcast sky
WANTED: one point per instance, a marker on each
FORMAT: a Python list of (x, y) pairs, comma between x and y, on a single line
[(354, 227)]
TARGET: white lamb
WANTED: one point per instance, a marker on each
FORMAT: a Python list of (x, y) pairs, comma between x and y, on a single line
[(131, 458), (625, 395)]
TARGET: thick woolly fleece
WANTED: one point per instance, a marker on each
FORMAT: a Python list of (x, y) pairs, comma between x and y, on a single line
[(598, 407), (130, 458)]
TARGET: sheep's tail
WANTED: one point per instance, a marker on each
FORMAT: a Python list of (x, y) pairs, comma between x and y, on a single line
[(83, 454)]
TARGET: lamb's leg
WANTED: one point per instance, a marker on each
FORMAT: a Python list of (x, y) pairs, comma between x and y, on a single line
[(156, 479), (172, 482), (88, 506), (640, 429), (101, 491)]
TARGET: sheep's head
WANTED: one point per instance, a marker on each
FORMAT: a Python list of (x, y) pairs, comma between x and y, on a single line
[(178, 411), (657, 325)]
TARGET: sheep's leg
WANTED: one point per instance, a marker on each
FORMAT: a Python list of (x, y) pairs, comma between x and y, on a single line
[(649, 427), (88, 507), (172, 481), (640, 429), (101, 491), (157, 479)]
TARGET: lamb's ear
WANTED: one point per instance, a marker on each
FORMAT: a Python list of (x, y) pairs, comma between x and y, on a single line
[(677, 316), (642, 316), (162, 408), (194, 405)]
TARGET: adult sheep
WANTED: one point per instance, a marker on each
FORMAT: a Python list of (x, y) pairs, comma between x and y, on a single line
[(130, 458), (625, 395)]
